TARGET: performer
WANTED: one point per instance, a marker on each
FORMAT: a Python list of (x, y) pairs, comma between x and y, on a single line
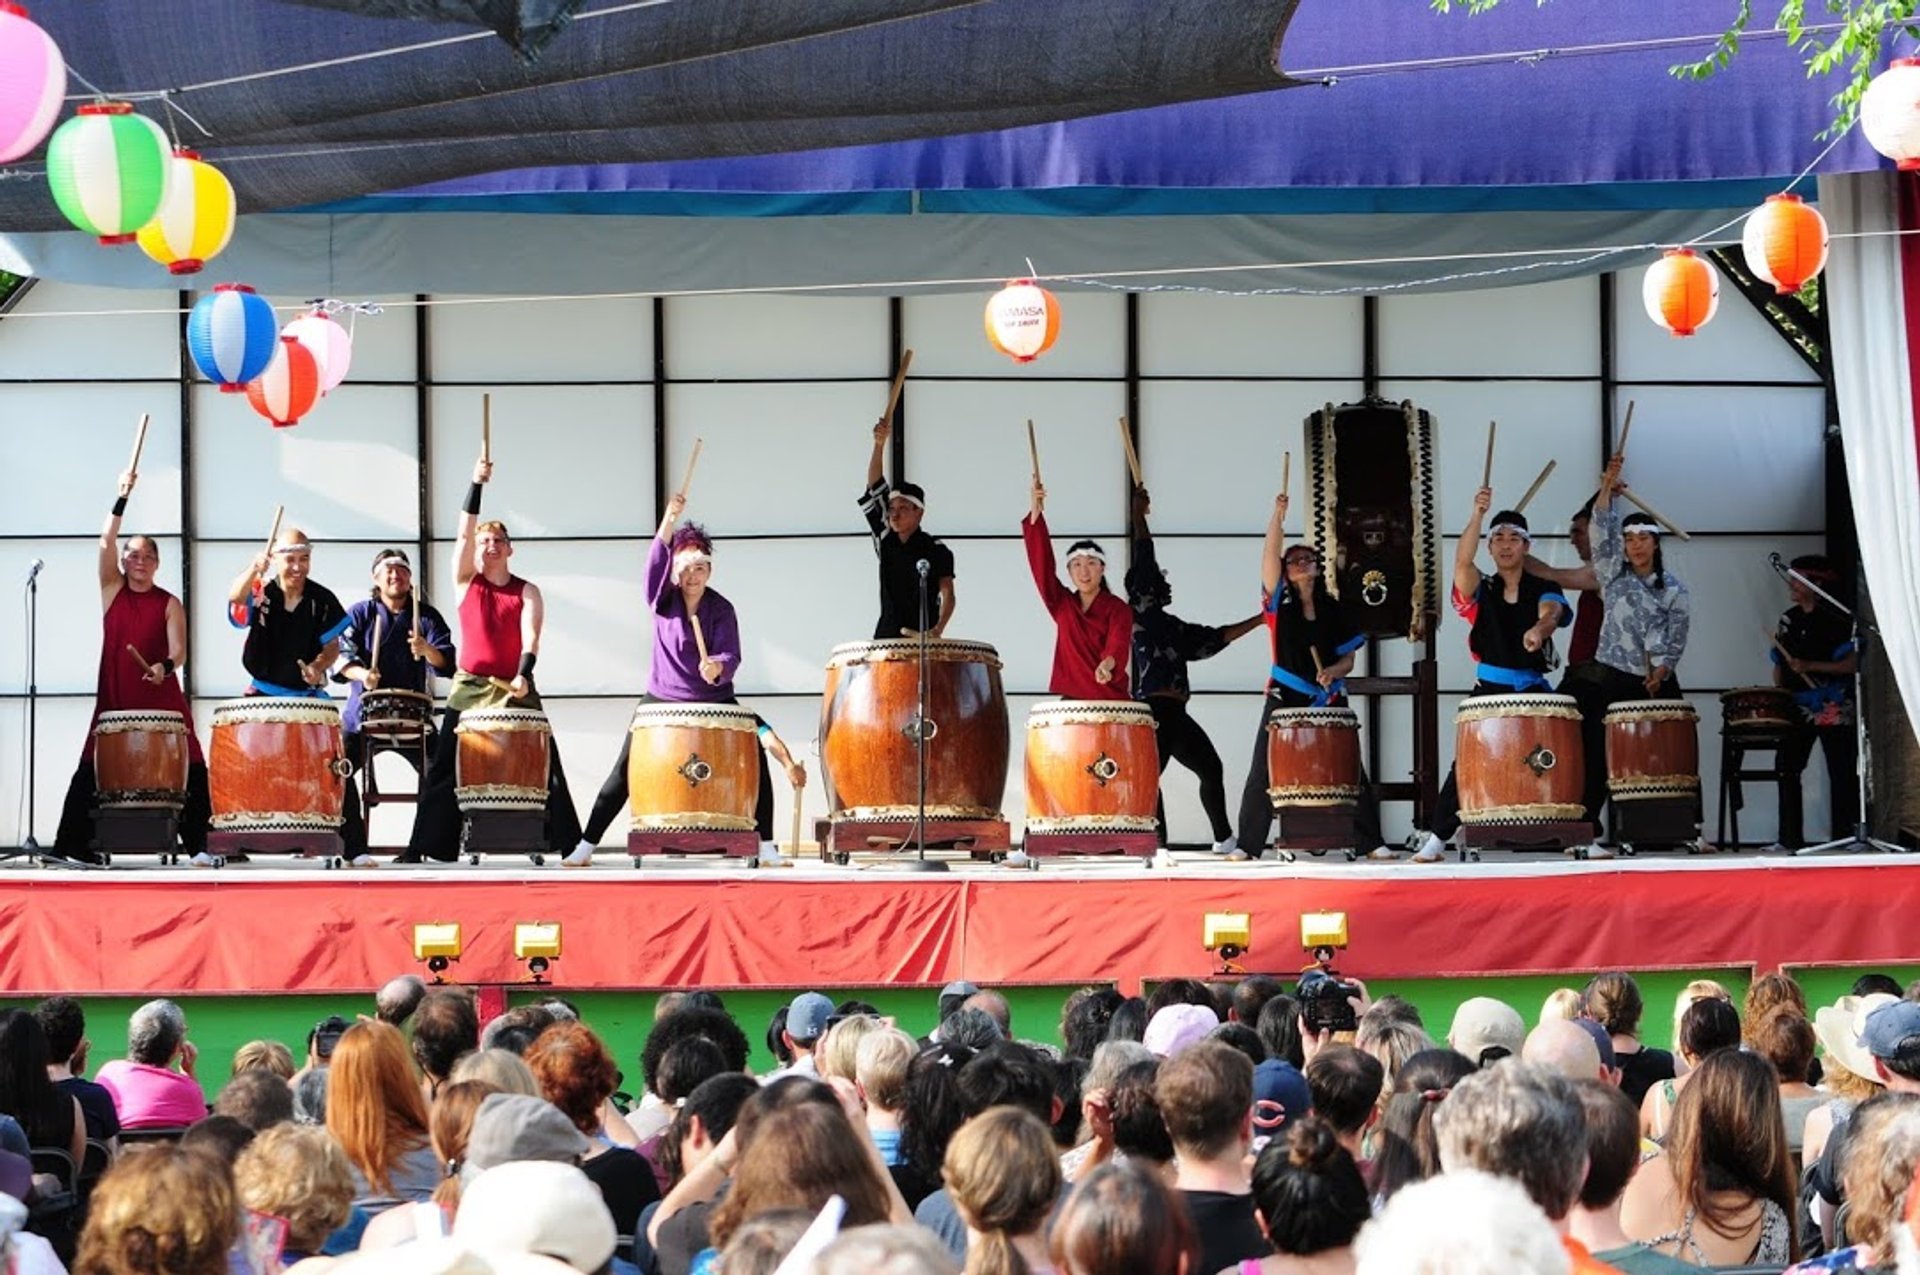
[(1818, 667), (1163, 644), (893, 515), (501, 616), (1512, 615), (139, 614), (1094, 629), (679, 567), (1312, 642), (403, 661), (293, 622)]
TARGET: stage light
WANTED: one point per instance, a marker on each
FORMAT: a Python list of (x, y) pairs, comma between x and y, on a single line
[(1323, 933), (537, 943), (438, 944), (1230, 934)]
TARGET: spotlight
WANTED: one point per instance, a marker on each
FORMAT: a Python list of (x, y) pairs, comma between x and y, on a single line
[(1230, 934), (537, 943), (438, 944), (1323, 933)]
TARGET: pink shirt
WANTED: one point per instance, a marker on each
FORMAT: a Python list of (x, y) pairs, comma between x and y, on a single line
[(152, 1097)]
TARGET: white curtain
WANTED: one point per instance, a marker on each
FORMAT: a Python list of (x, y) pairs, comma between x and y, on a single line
[(1866, 310)]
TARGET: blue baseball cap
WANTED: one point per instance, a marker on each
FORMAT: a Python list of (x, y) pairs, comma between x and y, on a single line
[(1890, 1027), (1280, 1094), (1601, 1041), (807, 1016)]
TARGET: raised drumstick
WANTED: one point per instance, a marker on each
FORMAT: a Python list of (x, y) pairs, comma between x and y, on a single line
[(1486, 473), (1133, 457), (1534, 490), (139, 442), (899, 384), (1286, 474), (486, 427), (1033, 451), (1658, 517), (273, 537), (1774, 642), (1625, 429), (693, 460), (379, 622)]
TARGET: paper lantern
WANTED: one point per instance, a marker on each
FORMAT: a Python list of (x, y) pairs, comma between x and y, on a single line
[(1890, 112), (331, 347), (195, 220), (231, 335), (108, 170), (1023, 320), (1785, 242), (289, 387), (33, 80), (1681, 291)]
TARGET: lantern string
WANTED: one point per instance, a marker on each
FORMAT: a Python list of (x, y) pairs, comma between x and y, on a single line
[(1804, 173), (174, 108)]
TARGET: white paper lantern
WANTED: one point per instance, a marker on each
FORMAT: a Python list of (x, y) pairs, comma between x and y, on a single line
[(331, 346), (1890, 112)]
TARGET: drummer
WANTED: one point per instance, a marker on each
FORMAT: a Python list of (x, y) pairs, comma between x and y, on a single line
[(1163, 644), (404, 660), (1093, 628), (893, 515), (501, 616), (696, 650), (293, 623), (136, 614), (1312, 644), (1512, 614), (1818, 668)]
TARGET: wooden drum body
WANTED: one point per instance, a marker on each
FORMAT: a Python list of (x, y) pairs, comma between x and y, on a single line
[(1653, 750), (1313, 757), (1092, 766), (276, 766), (867, 731), (396, 717), (502, 759), (1762, 710), (140, 760), (1517, 759), (693, 766)]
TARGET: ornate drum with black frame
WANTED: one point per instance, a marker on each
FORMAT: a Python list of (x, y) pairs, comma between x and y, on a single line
[(1092, 766), (693, 767), (867, 746), (140, 760), (502, 759), (1762, 710), (1653, 750), (395, 717), (1370, 476), (277, 766), (1517, 759), (1313, 757)]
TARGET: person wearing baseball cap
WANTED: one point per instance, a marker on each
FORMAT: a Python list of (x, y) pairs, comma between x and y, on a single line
[(806, 1023), (1487, 1030)]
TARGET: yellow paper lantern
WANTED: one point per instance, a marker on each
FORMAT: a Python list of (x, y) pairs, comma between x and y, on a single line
[(196, 218)]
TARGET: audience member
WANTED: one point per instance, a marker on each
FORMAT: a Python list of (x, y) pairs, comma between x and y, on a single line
[(1004, 1177), (323, 1038), (1700, 989), (1561, 1045), (1487, 1030), (450, 1129), (397, 998), (971, 1029), (994, 1006), (1139, 1131), (147, 1092), (1882, 1155), (1069, 1078), (776, 1036), (1461, 1223), (1613, 1001), (880, 1077), (504, 1070), (1125, 1220), (838, 1052), (1007, 1075), (655, 1112), (65, 1026), (1095, 1144), (1241, 1037), (1129, 1021), (1391, 1009), (1785, 1038), (1085, 1018), (1848, 1077), (1250, 996), (576, 1075), (1280, 1097), (1561, 1002), (1345, 1086), (1184, 991), (51, 1118), (1408, 1151), (1876, 985), (1310, 1201), (375, 1111), (516, 1029), (310, 1097), (221, 1137), (264, 1055), (1769, 994), (935, 1109), (952, 997), (300, 1176), (1392, 1041), (1206, 1097), (160, 1210), (445, 1028), (256, 1098), (762, 1243), (1890, 1040), (1613, 1152), (542, 1208), (884, 1250), (806, 1023), (700, 1125), (1708, 1025), (1279, 1028), (1178, 1027), (799, 1156)]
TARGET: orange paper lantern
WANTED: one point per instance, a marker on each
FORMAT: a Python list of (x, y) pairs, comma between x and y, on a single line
[(1681, 292), (1023, 320), (1785, 242), (289, 387)]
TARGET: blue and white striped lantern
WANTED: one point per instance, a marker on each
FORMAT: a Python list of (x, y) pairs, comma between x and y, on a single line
[(232, 335)]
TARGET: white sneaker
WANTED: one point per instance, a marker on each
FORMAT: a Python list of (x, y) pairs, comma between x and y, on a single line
[(1383, 854), (362, 861), (1597, 851), (1163, 858), (1226, 847), (205, 860), (770, 856), (1432, 850), (580, 856), (1017, 858), (1237, 855)]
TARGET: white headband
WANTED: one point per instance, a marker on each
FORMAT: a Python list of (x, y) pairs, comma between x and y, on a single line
[(1514, 527), (1084, 552), (687, 558), (915, 501), (393, 559), (1648, 528), (292, 546)]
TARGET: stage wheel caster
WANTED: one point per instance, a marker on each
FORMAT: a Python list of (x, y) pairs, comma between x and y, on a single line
[(753, 863), (1284, 856), (996, 856), (1349, 856), (1321, 853), (539, 860), (842, 857), (636, 863), (106, 860), (1627, 850), (166, 860), (473, 860), (1469, 856)]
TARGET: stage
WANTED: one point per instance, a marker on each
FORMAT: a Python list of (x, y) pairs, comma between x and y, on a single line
[(278, 925)]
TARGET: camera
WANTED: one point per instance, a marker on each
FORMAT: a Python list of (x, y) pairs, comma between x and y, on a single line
[(325, 1035), (1323, 1002)]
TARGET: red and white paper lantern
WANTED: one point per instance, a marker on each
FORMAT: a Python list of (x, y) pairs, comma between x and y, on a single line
[(289, 387)]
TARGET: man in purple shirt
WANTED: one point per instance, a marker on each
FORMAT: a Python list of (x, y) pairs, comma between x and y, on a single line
[(147, 1092)]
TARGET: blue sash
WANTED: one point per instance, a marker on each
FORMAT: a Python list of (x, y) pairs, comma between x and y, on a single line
[(1322, 695), (289, 692), (1520, 679)]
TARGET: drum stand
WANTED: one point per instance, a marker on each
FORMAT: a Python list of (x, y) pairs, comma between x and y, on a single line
[(922, 731), (1862, 841)]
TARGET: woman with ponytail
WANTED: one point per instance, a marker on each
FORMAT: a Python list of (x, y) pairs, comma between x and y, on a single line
[(1310, 1200), (1004, 1175), (1408, 1151)]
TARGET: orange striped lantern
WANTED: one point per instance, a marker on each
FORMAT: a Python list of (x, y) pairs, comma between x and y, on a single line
[(1890, 112), (1023, 320), (1681, 292), (289, 387), (1785, 242)]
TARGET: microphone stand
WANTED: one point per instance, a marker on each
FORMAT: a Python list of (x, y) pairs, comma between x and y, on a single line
[(29, 846), (921, 732)]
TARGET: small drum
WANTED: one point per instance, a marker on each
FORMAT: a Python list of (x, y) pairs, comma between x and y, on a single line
[(693, 766), (140, 760), (867, 731), (1092, 766), (1313, 757), (395, 717), (1757, 709), (276, 765), (1653, 750), (1517, 759), (502, 761)]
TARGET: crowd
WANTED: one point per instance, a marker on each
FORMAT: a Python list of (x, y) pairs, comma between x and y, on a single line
[(1204, 1130)]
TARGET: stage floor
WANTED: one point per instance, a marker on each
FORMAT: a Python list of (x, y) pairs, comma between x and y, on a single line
[(283, 925)]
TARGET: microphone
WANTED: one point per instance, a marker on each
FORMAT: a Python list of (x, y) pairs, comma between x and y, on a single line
[(1775, 561), (34, 568), (923, 566)]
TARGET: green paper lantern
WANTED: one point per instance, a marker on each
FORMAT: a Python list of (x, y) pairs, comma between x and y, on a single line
[(108, 170)]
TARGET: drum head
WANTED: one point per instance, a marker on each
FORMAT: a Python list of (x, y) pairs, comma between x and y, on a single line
[(710, 716), (1079, 712), (504, 719), (948, 650)]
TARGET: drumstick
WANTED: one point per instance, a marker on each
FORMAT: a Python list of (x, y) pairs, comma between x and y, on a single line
[(899, 384), (1286, 473), (139, 441), (279, 511), (692, 460), (1656, 514), (1133, 457), (1774, 642), (1626, 428), (794, 852), (1318, 667), (699, 637), (486, 427), (379, 621), (141, 660), (1486, 473), (1533, 490), (1033, 451)]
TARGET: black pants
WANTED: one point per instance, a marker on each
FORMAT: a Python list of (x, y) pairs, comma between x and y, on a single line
[(1841, 749), (353, 818), (1597, 687), (1180, 738), (437, 819), (74, 838), (613, 793), (1256, 806)]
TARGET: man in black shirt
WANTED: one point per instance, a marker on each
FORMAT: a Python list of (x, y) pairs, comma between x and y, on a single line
[(65, 1025), (293, 623), (893, 514), (1206, 1098), (1818, 668)]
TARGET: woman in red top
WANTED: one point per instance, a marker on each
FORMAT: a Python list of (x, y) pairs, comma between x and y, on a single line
[(1094, 629)]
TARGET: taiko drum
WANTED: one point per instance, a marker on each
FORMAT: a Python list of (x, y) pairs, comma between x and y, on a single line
[(140, 760), (1092, 766), (502, 758), (1757, 710), (1313, 757), (1517, 759), (276, 765), (692, 766), (395, 717), (1653, 750)]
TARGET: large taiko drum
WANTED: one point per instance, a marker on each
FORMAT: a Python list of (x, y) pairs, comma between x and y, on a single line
[(395, 717), (1092, 766), (867, 730), (1517, 759), (140, 760), (1763, 710), (1313, 757), (276, 765), (1653, 750), (693, 766), (502, 759)]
